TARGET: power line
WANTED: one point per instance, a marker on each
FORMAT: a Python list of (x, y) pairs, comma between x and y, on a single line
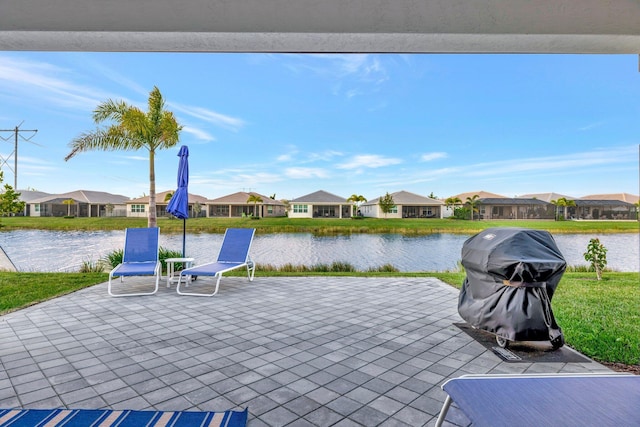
[(5, 160)]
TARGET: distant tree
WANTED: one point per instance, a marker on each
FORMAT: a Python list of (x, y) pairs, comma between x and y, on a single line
[(255, 199), (452, 202), (68, 202), (357, 199), (287, 206), (197, 208), (386, 204), (109, 208), (10, 203), (637, 204), (473, 204), (132, 129), (168, 196), (563, 203)]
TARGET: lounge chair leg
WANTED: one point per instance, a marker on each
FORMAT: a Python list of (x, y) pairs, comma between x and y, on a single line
[(443, 411)]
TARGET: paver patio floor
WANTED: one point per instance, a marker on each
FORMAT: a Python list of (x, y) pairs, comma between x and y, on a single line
[(297, 351)]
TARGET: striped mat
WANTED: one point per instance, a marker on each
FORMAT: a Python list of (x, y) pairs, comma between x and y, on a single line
[(106, 418)]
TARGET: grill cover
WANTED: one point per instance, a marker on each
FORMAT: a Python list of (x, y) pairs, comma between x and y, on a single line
[(511, 275)]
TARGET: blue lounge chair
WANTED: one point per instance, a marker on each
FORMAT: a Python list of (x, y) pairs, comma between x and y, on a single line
[(140, 258), (545, 399), (234, 254)]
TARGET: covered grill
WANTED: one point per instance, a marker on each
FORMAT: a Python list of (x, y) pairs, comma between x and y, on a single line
[(511, 276)]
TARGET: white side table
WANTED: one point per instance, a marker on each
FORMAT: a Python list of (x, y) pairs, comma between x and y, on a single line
[(173, 276)]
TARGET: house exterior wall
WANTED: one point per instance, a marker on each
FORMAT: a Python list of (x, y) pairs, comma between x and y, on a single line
[(301, 210), (374, 211)]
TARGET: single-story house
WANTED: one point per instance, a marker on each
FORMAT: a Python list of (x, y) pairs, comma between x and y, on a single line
[(27, 196), (80, 203), (139, 207), (240, 204), (320, 204), (408, 205), (602, 209), (595, 206), (515, 208)]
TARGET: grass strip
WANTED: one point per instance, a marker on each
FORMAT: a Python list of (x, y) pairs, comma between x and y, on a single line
[(318, 226)]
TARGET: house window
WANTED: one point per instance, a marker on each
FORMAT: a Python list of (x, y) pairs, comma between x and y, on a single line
[(269, 209), (300, 209), (394, 210), (36, 207), (222, 210), (137, 208)]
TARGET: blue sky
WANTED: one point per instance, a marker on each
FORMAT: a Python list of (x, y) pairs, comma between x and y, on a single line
[(292, 124)]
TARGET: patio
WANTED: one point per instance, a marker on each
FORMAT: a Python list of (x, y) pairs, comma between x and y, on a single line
[(297, 351)]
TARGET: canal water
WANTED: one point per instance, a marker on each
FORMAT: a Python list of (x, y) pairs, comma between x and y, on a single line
[(50, 251)]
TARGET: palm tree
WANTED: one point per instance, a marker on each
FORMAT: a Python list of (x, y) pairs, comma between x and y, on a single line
[(564, 203), (452, 202), (473, 204), (255, 199), (356, 199), (556, 203), (69, 202), (132, 129)]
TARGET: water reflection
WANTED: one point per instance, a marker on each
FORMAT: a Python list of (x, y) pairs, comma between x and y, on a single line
[(36, 250)]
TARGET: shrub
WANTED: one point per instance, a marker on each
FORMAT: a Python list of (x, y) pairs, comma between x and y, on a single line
[(385, 268), (92, 267), (115, 257), (596, 254)]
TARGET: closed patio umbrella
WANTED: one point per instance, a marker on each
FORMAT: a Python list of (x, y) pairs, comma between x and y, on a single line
[(179, 204)]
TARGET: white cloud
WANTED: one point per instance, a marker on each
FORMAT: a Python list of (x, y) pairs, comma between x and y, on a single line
[(40, 81), (369, 161), (427, 157), (304, 173), (224, 121), (284, 158), (591, 126), (566, 162), (352, 74), (199, 133)]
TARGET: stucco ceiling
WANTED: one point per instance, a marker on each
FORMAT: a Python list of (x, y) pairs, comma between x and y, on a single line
[(456, 26)]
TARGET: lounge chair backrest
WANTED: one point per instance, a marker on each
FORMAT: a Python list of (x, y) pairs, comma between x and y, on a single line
[(141, 244), (236, 245)]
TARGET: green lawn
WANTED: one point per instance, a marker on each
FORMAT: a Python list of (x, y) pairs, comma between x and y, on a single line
[(600, 319), (321, 226)]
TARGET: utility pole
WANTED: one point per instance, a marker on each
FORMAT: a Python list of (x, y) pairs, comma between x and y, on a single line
[(5, 161)]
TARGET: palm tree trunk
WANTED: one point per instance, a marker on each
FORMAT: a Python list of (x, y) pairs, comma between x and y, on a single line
[(152, 220)]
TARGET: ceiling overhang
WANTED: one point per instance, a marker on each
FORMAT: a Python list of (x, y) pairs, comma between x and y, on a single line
[(399, 26)]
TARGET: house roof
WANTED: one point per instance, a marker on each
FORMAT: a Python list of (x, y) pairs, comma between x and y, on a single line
[(517, 201), (481, 194), (595, 203), (408, 198), (29, 195), (623, 197), (160, 198), (547, 197), (241, 197), (319, 197), (84, 196)]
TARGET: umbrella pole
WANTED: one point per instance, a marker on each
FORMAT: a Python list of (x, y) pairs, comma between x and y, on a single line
[(184, 236)]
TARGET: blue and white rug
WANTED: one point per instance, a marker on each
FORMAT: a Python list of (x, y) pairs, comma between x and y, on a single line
[(106, 418)]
